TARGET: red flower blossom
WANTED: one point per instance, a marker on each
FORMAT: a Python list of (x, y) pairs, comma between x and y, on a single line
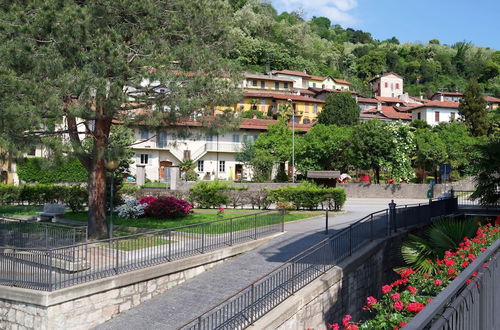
[(352, 327), (402, 324), (412, 290), (468, 281), (334, 326), (471, 256), (449, 262), (437, 282), (399, 305), (395, 296), (474, 274), (414, 307), (386, 289), (451, 271), (371, 300), (346, 319), (465, 263)]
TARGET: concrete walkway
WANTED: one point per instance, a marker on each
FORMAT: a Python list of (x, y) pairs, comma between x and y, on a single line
[(188, 300)]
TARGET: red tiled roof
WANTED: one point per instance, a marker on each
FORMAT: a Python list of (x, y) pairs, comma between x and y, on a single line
[(492, 99), (328, 90), (279, 96), (366, 100), (438, 104), (448, 94), (318, 77), (267, 77), (420, 100), (304, 91), (387, 74), (341, 81), (292, 73), (388, 99), (389, 112)]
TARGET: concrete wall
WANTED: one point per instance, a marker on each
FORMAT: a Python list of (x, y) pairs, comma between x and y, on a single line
[(87, 305), (342, 290)]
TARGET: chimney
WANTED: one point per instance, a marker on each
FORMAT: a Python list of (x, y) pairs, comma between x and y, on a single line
[(441, 97), (254, 116), (421, 97), (379, 107)]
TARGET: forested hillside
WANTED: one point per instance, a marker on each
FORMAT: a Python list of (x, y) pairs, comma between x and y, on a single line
[(265, 40)]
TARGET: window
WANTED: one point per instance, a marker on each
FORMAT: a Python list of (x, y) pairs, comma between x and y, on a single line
[(144, 134), (187, 154), (32, 151), (161, 138), (222, 166), (262, 84), (144, 159), (419, 116), (386, 84), (285, 85), (436, 116), (201, 166), (315, 108), (236, 138), (209, 138), (397, 85), (314, 85), (262, 101), (254, 83), (306, 121), (276, 85), (452, 116), (306, 107)]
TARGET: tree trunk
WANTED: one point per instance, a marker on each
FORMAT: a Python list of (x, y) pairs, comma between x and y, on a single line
[(97, 180), (377, 175)]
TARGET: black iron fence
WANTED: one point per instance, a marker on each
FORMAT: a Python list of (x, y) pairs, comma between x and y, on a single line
[(54, 268), (466, 201), (252, 302), (463, 305), (29, 234)]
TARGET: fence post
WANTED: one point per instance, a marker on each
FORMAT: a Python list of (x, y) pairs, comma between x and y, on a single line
[(392, 215), (371, 227), (51, 270), (231, 232), (255, 225), (117, 260), (282, 220), (169, 245), (203, 238), (252, 304), (46, 237)]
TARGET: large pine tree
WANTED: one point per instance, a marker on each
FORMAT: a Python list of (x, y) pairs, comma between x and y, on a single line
[(473, 109), (72, 66)]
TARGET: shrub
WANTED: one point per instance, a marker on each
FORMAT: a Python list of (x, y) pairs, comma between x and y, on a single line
[(258, 198), (148, 200), (211, 194), (308, 196), (32, 170), (131, 209), (191, 175), (9, 194), (76, 197), (165, 207)]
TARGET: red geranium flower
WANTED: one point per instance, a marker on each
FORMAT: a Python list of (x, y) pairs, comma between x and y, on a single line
[(414, 307), (386, 288), (398, 305)]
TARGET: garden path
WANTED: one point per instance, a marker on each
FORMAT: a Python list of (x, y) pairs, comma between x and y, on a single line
[(188, 300)]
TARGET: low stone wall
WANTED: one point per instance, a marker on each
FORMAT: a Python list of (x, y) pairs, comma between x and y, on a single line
[(342, 290), (87, 305)]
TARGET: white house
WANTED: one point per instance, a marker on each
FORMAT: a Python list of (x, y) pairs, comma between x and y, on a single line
[(301, 79), (447, 96), (388, 85), (436, 112)]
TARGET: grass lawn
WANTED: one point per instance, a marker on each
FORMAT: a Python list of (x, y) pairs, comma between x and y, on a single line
[(199, 215)]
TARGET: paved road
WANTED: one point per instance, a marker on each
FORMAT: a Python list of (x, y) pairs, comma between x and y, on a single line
[(188, 300)]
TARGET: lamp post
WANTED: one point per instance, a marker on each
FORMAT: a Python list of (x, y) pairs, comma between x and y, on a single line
[(111, 165), (293, 139)]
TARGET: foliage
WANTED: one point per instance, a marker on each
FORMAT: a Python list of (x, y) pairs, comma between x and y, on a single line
[(340, 109), (186, 164), (211, 194), (487, 166), (403, 146), (473, 110), (324, 148), (372, 146), (74, 196), (131, 209), (168, 207), (40, 171), (431, 150), (440, 236), (407, 296), (307, 196), (253, 114), (191, 175)]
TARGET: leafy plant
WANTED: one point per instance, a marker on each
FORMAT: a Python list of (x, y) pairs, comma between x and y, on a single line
[(166, 207), (131, 209)]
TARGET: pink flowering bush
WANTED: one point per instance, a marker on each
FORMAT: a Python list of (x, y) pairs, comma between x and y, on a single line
[(165, 207), (404, 298)]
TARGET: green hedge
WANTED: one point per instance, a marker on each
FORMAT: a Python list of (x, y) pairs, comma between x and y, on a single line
[(32, 170), (74, 196), (307, 196), (207, 194)]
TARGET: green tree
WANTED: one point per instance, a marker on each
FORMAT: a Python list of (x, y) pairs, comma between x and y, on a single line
[(487, 166), (340, 109), (81, 63), (460, 146), (372, 146), (430, 151), (473, 109), (324, 148)]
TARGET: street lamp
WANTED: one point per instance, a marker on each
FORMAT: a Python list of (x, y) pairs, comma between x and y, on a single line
[(111, 165), (293, 139)]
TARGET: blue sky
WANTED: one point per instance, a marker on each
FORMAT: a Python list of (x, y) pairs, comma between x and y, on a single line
[(410, 20)]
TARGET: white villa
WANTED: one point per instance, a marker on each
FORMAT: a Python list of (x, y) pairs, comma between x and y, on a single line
[(436, 112)]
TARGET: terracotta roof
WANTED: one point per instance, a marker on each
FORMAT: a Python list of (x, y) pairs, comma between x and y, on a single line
[(387, 74), (367, 100), (292, 73), (448, 94), (267, 77), (389, 113), (318, 77), (282, 96), (328, 90), (341, 81), (304, 91), (419, 99), (438, 104), (492, 99), (389, 99)]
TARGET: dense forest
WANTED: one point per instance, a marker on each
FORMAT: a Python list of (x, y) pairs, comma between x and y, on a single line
[(265, 40)]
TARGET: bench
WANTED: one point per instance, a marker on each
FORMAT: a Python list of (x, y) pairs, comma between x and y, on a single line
[(52, 212)]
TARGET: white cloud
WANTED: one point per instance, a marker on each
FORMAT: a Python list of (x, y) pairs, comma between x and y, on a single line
[(336, 10)]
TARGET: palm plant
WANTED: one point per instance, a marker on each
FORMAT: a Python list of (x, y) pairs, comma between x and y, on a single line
[(186, 165), (440, 237)]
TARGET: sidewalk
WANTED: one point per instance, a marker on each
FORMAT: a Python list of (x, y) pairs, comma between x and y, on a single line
[(188, 300)]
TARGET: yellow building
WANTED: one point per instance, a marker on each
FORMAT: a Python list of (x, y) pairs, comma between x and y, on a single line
[(267, 83), (328, 82)]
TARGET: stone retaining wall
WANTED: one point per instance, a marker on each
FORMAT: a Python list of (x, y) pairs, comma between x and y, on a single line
[(87, 305), (342, 290)]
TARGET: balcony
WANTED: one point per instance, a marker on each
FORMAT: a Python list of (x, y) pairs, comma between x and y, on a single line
[(223, 147)]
